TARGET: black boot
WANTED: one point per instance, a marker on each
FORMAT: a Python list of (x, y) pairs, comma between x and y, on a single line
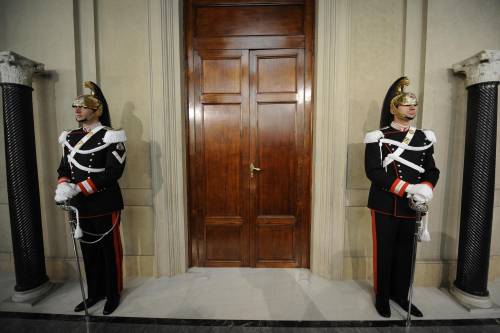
[(382, 306), (90, 302), (111, 305), (403, 303)]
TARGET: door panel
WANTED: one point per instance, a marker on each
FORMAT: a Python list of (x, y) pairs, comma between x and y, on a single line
[(275, 244), (276, 155), (223, 243), (221, 76), (222, 143), (276, 140), (255, 20), (276, 75), (221, 175)]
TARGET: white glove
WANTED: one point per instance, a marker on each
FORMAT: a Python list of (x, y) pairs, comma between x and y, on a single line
[(73, 189), (61, 193), (421, 192), (59, 198), (419, 198), (66, 191)]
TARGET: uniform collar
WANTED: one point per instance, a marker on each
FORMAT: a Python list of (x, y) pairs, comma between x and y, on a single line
[(91, 127), (399, 127)]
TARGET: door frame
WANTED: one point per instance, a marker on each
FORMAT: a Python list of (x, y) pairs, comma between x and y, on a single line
[(308, 44)]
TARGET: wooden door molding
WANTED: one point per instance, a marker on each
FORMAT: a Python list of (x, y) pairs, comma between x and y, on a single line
[(249, 106)]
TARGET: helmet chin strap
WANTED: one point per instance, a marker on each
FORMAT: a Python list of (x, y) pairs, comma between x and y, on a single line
[(409, 117)]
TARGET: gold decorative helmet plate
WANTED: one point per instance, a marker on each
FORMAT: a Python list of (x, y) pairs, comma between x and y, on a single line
[(402, 97), (88, 101)]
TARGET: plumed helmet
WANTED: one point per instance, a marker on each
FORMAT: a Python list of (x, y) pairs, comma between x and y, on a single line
[(95, 101), (396, 96)]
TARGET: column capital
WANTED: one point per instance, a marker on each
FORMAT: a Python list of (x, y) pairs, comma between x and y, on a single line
[(480, 68), (15, 68)]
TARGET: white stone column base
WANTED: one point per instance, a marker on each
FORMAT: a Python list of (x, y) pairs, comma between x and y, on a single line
[(33, 295), (473, 303)]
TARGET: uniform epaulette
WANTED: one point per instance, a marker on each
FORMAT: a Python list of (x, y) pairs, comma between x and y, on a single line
[(429, 134), (64, 134), (113, 136), (373, 136)]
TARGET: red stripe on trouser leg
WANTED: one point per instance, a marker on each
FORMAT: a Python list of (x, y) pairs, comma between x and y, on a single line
[(374, 241), (118, 251)]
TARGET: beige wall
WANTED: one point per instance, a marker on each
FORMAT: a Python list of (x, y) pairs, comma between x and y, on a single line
[(445, 104), (119, 44), (123, 71), (53, 45), (376, 59), (452, 31)]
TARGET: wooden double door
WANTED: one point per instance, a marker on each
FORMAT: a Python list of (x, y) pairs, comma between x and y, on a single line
[(249, 169), (249, 78)]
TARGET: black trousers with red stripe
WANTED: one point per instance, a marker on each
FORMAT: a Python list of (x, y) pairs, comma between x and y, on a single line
[(392, 255), (103, 260)]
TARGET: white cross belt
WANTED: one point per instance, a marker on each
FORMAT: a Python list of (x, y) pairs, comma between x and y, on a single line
[(84, 168), (393, 157)]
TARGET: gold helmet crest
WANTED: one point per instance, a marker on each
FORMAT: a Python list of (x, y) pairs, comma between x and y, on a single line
[(396, 95), (88, 101), (402, 97)]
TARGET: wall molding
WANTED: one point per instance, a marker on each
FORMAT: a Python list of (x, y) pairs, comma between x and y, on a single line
[(414, 46), (333, 21), (85, 43), (167, 137)]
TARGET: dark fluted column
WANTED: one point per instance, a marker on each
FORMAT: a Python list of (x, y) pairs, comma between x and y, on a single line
[(478, 189), (22, 178)]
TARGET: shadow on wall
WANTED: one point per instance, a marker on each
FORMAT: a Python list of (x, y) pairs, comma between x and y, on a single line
[(48, 155), (356, 178), (450, 218), (138, 171), (136, 185), (358, 231), (373, 119), (449, 268)]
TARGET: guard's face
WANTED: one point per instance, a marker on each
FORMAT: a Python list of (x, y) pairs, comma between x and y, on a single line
[(83, 114), (405, 112)]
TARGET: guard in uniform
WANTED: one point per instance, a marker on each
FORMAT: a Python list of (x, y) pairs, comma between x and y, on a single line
[(399, 163), (93, 160)]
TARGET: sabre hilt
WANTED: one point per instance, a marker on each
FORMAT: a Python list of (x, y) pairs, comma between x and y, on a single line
[(73, 217), (417, 205)]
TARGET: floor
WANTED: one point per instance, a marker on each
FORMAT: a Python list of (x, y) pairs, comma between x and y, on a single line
[(245, 300)]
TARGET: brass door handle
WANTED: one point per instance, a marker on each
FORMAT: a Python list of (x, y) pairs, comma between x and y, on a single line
[(252, 169)]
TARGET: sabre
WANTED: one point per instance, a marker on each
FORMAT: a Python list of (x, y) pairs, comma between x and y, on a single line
[(419, 208), (76, 232)]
